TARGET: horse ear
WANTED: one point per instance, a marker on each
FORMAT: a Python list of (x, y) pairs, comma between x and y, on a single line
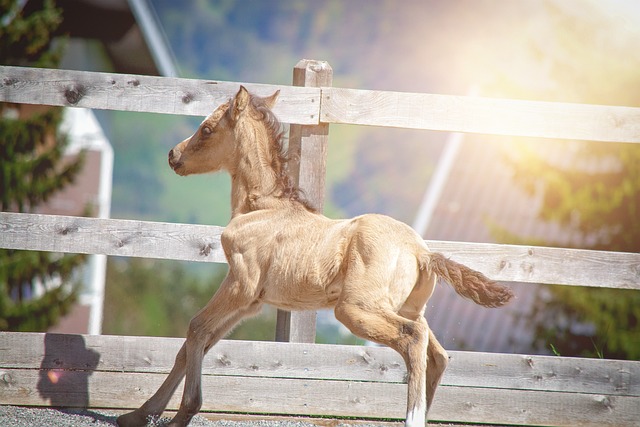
[(270, 101), (240, 102)]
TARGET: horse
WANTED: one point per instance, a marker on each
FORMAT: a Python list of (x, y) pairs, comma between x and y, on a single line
[(375, 272)]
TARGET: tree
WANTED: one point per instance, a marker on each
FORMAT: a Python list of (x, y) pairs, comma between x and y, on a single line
[(597, 197), (592, 190), (35, 287)]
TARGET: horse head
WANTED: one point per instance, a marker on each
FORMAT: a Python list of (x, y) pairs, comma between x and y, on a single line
[(213, 146)]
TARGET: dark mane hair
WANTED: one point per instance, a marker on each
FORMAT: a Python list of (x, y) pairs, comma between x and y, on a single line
[(281, 157)]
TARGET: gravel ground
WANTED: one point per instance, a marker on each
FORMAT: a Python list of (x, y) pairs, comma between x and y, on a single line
[(17, 416)]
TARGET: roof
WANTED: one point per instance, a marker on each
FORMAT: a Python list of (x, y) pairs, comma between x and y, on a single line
[(130, 32), (479, 192)]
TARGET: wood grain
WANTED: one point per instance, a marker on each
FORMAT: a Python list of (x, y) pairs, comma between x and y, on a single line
[(539, 264), (57, 233), (326, 380), (529, 264), (325, 398), (481, 115), (319, 361), (124, 92)]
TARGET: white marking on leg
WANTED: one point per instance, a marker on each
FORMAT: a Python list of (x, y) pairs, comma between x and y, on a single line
[(416, 418)]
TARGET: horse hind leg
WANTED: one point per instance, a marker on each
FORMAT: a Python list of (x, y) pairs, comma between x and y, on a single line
[(408, 337), (437, 363)]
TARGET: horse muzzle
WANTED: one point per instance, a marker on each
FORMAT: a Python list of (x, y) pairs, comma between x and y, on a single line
[(174, 161)]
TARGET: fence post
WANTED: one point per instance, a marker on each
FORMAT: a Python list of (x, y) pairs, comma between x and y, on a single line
[(308, 153)]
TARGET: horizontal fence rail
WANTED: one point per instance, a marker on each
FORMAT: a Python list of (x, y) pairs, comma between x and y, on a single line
[(144, 239), (530, 264), (308, 105), (481, 115), (124, 92), (322, 380)]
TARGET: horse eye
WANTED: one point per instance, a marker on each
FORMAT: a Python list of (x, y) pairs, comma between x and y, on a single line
[(206, 131)]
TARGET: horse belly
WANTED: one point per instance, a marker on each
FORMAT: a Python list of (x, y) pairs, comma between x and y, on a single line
[(299, 262), (302, 282)]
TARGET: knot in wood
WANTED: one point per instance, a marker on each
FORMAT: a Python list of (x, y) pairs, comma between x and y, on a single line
[(9, 81), (529, 361), (367, 357), (224, 360), (606, 401), (74, 94), (205, 250), (527, 268), (63, 231), (187, 98)]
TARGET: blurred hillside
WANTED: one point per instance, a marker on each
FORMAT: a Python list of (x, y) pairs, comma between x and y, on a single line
[(527, 49)]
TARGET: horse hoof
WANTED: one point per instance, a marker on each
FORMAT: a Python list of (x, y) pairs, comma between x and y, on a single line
[(132, 419)]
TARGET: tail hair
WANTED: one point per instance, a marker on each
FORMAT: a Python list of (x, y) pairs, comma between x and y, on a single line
[(469, 283)]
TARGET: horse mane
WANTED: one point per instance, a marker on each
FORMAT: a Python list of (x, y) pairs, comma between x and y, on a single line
[(281, 158)]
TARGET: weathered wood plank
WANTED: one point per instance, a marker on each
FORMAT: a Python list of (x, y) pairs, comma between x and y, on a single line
[(126, 92), (67, 234), (317, 361), (481, 115), (301, 105), (226, 394), (527, 264), (539, 264), (228, 357), (321, 398)]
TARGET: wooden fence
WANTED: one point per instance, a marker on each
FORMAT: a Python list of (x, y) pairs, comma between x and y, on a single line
[(303, 378)]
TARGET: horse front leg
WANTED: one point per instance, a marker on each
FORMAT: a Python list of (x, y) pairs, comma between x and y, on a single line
[(157, 403), (205, 329), (210, 325)]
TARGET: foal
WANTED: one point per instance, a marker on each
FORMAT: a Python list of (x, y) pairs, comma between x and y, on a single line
[(376, 272)]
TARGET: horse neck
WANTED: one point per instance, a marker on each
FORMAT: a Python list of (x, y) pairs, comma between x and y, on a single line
[(253, 176)]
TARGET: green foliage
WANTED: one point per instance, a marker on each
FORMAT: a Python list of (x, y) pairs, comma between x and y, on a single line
[(589, 322), (35, 287), (597, 194), (595, 197), (158, 298), (151, 297), (27, 40), (32, 151), (592, 190), (20, 308)]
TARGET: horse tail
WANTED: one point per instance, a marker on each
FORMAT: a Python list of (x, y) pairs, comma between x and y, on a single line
[(466, 282)]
